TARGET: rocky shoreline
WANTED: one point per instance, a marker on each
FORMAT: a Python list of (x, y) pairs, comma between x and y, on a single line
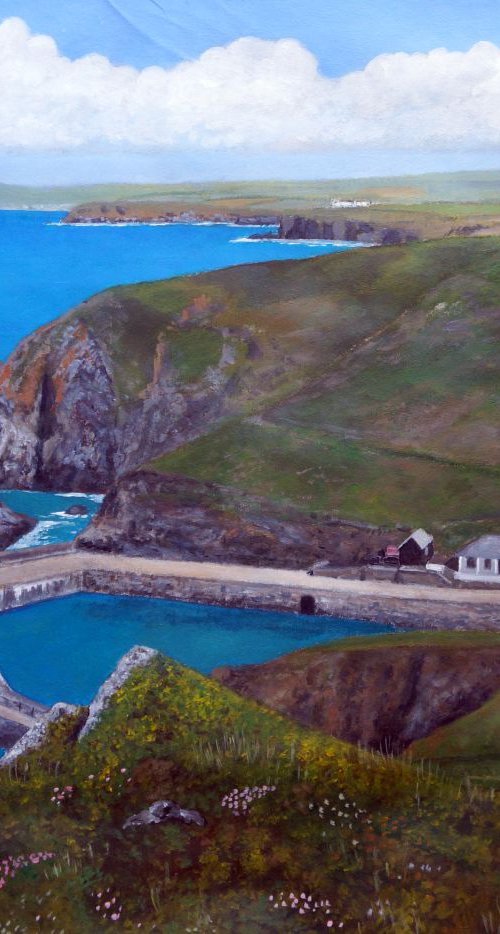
[(289, 227)]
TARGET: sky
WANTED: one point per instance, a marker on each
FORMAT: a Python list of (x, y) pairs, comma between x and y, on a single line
[(172, 90)]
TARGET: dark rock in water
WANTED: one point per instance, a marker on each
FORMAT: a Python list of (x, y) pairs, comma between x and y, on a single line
[(162, 811), (170, 516), (77, 510), (384, 697), (13, 525)]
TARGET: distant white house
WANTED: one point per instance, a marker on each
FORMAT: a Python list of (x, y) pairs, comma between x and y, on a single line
[(335, 203), (478, 561)]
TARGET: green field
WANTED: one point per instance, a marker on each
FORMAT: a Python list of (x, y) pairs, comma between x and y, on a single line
[(287, 196)]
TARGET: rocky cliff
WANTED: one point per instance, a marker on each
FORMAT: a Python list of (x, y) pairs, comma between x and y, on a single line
[(109, 386), (343, 228), (177, 517), (383, 697)]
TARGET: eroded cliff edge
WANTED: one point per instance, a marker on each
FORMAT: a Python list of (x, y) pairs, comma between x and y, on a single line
[(384, 695)]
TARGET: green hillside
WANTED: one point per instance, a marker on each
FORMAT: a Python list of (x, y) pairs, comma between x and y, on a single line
[(377, 844), (374, 393), (295, 195)]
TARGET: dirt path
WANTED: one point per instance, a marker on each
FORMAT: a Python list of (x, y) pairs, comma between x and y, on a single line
[(33, 571)]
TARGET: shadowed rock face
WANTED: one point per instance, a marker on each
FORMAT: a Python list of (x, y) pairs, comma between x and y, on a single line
[(13, 525), (172, 516), (66, 421), (381, 698), (304, 228)]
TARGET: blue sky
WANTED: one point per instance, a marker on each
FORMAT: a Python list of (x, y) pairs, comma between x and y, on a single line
[(343, 35)]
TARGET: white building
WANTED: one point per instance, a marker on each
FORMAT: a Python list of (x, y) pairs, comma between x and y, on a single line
[(479, 561)]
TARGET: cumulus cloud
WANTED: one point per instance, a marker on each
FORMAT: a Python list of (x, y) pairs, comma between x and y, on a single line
[(251, 94)]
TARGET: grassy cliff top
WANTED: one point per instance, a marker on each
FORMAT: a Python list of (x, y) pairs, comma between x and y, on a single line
[(332, 822), (471, 186)]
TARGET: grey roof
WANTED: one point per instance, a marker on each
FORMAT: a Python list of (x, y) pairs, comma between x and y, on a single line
[(488, 546), (421, 537)]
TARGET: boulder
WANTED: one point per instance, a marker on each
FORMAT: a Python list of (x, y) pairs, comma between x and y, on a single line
[(162, 811), (77, 510)]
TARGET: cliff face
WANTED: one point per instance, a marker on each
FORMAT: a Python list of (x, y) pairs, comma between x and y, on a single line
[(80, 404), (177, 517), (303, 228), (384, 698)]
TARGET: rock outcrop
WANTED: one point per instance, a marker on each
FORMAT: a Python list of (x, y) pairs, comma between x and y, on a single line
[(171, 516), (342, 228), (162, 811), (137, 657), (35, 736), (384, 697), (13, 525)]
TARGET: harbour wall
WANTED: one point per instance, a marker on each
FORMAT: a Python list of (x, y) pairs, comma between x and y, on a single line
[(35, 591), (399, 612), (406, 611)]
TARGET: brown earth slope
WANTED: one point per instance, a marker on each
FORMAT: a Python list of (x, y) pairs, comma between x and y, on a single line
[(384, 694)]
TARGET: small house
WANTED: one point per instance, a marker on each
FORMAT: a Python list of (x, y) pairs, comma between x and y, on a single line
[(418, 548), (478, 561)]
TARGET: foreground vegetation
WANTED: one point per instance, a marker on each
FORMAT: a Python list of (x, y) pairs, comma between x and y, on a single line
[(292, 816)]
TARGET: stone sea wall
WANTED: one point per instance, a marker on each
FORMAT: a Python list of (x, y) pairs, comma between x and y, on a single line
[(23, 594), (398, 612)]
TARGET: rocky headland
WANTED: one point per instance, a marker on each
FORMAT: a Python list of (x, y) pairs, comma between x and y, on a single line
[(383, 695), (289, 227), (169, 516), (158, 213)]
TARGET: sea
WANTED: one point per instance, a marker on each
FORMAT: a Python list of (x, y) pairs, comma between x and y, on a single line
[(47, 267)]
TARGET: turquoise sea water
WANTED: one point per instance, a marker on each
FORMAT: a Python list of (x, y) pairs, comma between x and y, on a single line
[(47, 268), (63, 649), (50, 510)]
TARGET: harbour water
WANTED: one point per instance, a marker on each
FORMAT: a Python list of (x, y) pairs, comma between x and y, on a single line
[(63, 649)]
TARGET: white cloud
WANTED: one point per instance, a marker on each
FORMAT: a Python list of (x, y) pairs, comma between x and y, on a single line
[(251, 94)]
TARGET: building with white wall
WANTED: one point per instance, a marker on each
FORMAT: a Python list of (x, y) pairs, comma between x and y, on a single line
[(479, 561)]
